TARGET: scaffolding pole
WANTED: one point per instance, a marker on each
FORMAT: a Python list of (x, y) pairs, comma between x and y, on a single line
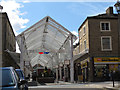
[(21, 55), (71, 61)]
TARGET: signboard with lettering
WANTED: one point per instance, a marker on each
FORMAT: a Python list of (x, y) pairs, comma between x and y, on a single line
[(61, 64), (66, 62), (43, 52), (113, 67), (26, 63), (107, 60), (84, 63)]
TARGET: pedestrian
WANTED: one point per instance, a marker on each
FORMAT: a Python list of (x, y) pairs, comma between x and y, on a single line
[(34, 75), (28, 76), (83, 78)]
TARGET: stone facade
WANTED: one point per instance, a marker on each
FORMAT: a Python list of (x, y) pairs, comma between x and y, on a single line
[(7, 41), (95, 61)]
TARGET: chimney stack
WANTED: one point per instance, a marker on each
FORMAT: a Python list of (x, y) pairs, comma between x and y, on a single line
[(109, 10)]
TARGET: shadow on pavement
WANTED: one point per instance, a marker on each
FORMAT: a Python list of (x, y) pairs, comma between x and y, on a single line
[(35, 83)]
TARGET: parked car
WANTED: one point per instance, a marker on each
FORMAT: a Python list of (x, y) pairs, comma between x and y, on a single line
[(22, 77), (20, 73), (10, 79)]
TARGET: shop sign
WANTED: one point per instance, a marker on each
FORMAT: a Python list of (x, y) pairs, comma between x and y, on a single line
[(113, 67), (67, 62), (56, 66), (26, 63), (61, 64), (84, 65), (106, 59)]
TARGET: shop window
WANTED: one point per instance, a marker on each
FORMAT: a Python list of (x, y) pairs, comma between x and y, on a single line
[(106, 43), (101, 71), (105, 26), (79, 70)]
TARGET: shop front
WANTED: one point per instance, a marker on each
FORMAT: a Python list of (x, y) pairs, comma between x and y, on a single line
[(66, 77), (83, 71), (105, 67)]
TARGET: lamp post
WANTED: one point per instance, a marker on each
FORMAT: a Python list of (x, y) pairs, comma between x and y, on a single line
[(117, 6)]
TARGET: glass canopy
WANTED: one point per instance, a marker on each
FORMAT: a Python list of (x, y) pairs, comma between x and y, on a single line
[(46, 36)]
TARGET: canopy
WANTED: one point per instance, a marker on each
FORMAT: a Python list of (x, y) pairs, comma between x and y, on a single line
[(45, 36)]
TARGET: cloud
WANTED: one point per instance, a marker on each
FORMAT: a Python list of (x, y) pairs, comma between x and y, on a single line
[(26, 1), (68, 0), (88, 9), (15, 16), (75, 33), (76, 42)]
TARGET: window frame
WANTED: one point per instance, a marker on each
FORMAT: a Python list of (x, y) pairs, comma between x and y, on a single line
[(81, 47), (84, 44), (80, 33), (105, 22), (102, 43), (84, 30)]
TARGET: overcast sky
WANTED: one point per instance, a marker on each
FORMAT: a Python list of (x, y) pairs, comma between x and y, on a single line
[(69, 14)]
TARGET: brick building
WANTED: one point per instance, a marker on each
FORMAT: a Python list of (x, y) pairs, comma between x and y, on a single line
[(98, 46)]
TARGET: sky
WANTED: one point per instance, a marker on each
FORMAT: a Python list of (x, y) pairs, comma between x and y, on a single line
[(24, 13)]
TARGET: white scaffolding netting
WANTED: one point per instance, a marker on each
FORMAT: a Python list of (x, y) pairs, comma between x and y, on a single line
[(45, 36)]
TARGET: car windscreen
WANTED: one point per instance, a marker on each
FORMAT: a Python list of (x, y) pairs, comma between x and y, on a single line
[(20, 74), (7, 78)]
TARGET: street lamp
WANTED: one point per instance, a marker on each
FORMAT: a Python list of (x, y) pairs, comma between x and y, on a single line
[(117, 6)]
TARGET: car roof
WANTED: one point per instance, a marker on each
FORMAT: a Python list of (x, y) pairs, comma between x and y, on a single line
[(6, 67), (18, 69)]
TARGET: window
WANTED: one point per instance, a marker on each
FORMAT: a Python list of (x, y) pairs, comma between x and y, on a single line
[(80, 47), (105, 26), (80, 34), (106, 43), (7, 77), (85, 44), (84, 30)]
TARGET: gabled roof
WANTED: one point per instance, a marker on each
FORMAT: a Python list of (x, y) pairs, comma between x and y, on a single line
[(45, 36), (105, 16), (101, 16)]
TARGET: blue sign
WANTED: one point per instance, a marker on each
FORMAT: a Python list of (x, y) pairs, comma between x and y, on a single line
[(46, 52)]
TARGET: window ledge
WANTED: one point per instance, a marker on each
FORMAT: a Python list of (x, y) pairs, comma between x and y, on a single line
[(106, 50)]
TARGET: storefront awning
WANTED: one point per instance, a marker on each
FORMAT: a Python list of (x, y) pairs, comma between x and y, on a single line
[(78, 56)]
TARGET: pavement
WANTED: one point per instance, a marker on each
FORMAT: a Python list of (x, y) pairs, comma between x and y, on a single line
[(108, 85)]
